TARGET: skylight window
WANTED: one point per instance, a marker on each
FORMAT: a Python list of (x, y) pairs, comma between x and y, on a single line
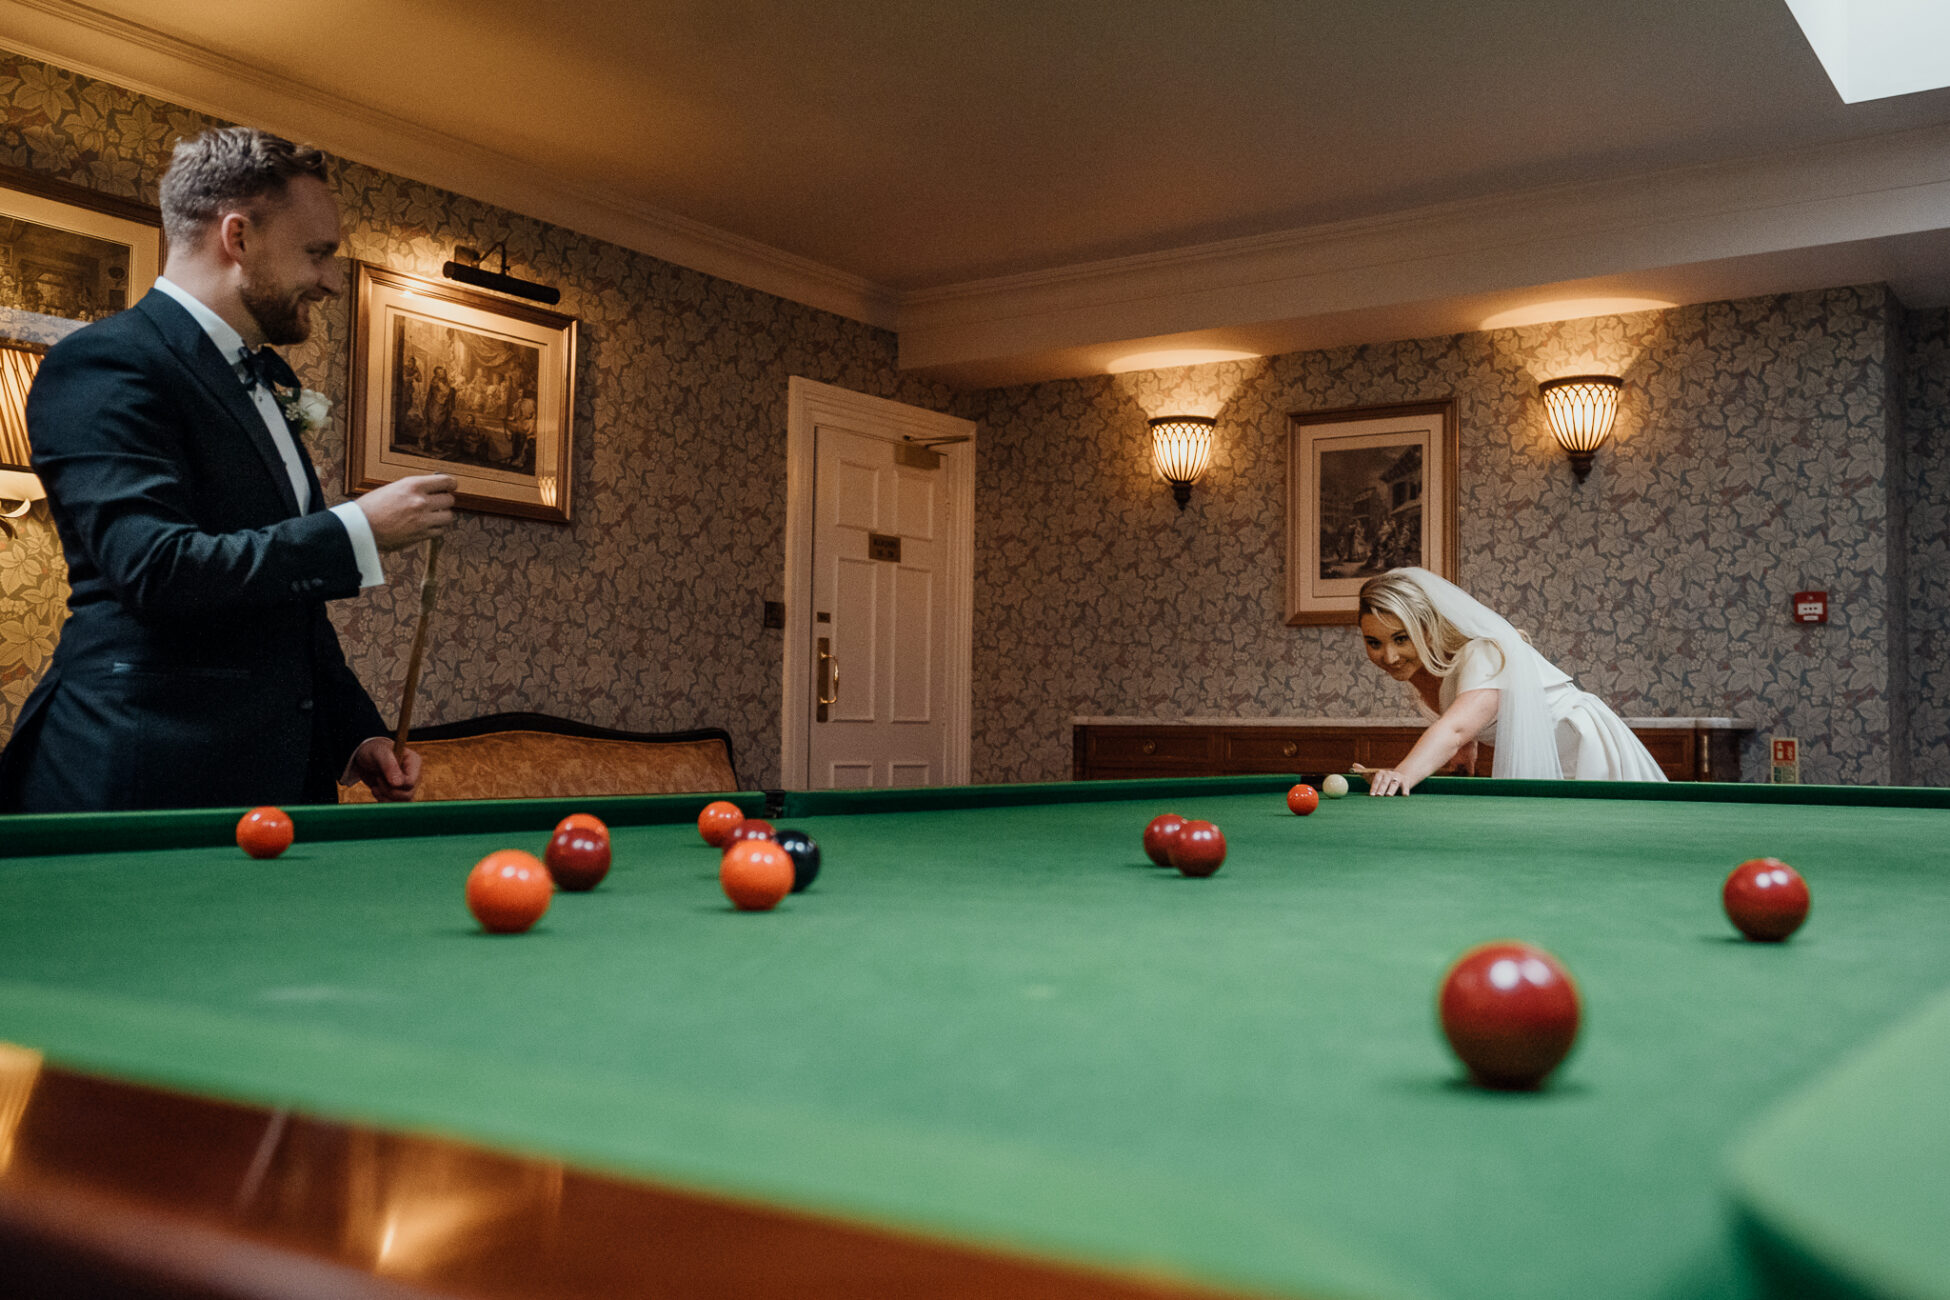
[(1873, 49)]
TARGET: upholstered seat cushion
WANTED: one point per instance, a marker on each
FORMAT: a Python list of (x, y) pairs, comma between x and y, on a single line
[(532, 764)]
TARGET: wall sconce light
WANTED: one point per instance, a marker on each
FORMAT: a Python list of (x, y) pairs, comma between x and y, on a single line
[(1181, 447), (18, 482), (1581, 410)]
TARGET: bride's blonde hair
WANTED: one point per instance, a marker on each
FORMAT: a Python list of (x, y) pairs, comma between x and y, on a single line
[(1437, 641)]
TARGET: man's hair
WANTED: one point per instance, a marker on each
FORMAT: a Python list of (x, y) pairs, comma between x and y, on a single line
[(225, 169)]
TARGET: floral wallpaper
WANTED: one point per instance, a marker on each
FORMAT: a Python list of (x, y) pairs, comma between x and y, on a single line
[(33, 600), (1763, 447), (644, 613), (1897, 547), (1749, 462), (1927, 418)]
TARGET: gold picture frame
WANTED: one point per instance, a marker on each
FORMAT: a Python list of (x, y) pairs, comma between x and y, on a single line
[(69, 256), (447, 380), (1368, 489)]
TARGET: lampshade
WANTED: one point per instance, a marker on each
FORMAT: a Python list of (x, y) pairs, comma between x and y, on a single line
[(1581, 410), (1181, 445)]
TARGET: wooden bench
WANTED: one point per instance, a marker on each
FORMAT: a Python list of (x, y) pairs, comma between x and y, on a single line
[(535, 756)]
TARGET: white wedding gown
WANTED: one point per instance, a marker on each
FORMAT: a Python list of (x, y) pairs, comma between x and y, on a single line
[(1593, 743)]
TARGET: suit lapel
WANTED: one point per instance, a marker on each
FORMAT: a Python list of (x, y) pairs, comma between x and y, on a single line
[(220, 383)]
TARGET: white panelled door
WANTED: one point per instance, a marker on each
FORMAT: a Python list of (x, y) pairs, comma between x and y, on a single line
[(881, 605)]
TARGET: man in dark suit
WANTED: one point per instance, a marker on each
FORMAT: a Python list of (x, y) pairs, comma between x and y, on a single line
[(197, 666)]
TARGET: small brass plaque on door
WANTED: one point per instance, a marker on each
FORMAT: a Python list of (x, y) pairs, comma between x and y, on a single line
[(882, 547)]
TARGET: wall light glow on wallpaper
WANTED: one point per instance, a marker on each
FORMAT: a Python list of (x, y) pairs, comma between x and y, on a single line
[(1171, 357), (1543, 313), (1189, 388)]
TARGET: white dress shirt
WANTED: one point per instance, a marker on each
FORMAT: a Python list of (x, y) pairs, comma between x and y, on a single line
[(231, 345)]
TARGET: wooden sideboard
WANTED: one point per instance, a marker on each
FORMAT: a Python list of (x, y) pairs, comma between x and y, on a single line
[(1688, 749)]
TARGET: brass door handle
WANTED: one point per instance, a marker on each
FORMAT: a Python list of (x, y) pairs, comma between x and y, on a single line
[(829, 673)]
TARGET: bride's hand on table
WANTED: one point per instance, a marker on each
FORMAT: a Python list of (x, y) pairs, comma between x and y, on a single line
[(1385, 780)]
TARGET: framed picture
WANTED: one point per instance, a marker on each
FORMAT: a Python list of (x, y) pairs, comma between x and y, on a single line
[(1369, 489), (447, 380), (69, 256)]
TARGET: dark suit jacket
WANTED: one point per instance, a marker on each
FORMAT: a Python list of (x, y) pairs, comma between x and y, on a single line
[(197, 666)]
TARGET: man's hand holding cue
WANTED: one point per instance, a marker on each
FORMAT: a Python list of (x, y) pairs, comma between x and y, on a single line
[(409, 511), (404, 513)]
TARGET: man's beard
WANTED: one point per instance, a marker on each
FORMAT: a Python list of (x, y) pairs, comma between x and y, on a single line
[(285, 319)]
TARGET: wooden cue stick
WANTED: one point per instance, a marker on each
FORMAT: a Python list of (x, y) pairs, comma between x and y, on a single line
[(427, 591)]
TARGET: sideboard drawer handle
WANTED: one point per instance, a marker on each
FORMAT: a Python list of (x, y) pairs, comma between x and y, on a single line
[(1149, 747), (1289, 749)]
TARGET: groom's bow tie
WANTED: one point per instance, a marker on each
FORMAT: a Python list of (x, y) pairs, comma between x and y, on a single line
[(264, 366)]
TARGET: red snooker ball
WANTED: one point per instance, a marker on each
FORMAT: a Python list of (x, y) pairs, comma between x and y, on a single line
[(586, 821), (755, 875), (1158, 836), (508, 891), (1766, 899), (751, 828), (716, 821), (577, 858), (1302, 799), (1510, 1010), (1199, 849), (264, 832)]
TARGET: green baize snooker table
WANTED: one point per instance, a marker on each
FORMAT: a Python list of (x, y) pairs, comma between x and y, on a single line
[(992, 1051)]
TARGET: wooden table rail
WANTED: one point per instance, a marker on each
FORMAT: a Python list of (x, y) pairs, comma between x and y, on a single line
[(1687, 749)]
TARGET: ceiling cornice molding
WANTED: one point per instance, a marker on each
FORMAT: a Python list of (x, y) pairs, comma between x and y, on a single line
[(97, 44), (1894, 184), (1372, 273)]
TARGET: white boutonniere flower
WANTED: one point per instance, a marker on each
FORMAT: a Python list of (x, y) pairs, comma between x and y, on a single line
[(305, 409)]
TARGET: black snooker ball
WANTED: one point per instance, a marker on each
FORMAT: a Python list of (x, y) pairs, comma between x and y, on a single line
[(803, 849)]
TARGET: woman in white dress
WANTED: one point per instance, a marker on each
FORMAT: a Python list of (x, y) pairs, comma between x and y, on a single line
[(1480, 680)]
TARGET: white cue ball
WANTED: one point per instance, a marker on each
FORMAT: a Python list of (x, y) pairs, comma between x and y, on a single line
[(1334, 786)]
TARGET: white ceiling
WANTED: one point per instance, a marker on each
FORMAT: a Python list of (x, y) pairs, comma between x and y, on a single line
[(1029, 188)]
